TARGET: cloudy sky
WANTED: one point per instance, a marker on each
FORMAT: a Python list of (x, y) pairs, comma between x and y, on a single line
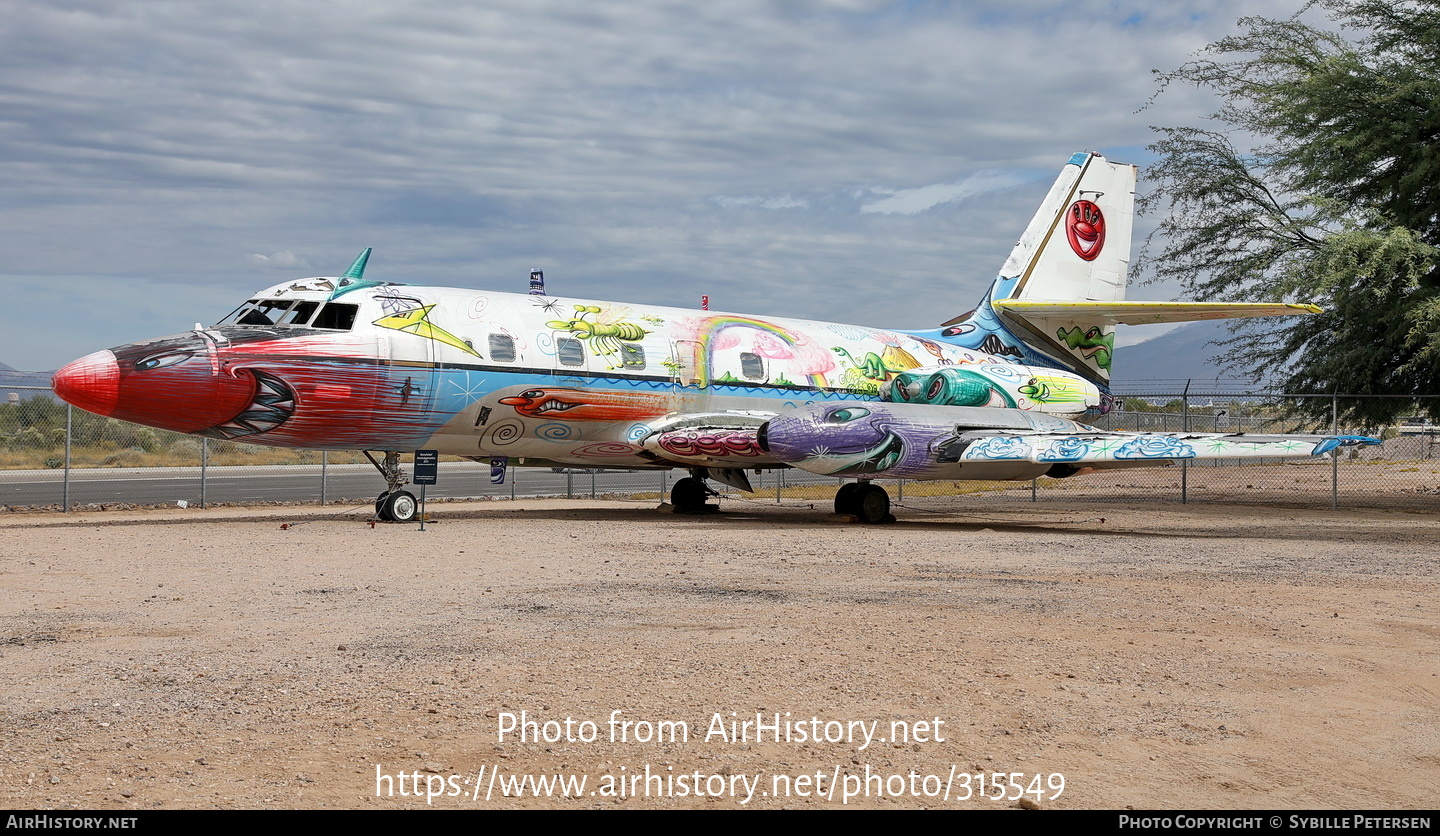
[(867, 161)]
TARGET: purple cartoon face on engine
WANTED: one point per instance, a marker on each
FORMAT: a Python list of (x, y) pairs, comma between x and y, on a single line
[(849, 439)]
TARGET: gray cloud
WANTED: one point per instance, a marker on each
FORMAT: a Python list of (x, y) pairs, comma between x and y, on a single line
[(795, 158)]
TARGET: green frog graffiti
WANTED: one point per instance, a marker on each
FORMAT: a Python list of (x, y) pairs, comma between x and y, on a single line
[(1094, 344)]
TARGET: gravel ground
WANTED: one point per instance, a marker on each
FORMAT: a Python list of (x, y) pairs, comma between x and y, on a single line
[(1206, 656)]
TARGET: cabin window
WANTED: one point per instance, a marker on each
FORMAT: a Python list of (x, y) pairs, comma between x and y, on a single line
[(502, 348), (570, 352), (632, 356), (752, 366), (336, 316)]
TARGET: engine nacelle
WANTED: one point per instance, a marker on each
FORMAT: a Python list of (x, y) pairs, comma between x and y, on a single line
[(912, 441), (995, 385)]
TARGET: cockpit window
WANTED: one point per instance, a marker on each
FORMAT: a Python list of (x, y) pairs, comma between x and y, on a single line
[(293, 313), (260, 312), (336, 316), (298, 315)]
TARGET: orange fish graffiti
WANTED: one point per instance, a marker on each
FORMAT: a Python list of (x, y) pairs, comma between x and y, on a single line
[(587, 404)]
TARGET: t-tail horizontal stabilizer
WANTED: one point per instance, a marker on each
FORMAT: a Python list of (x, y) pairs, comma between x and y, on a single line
[(1142, 313)]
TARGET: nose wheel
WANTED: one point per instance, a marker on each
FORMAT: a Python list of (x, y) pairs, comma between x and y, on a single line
[(397, 506)]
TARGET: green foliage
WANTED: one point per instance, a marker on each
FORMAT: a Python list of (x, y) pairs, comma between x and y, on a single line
[(1335, 199)]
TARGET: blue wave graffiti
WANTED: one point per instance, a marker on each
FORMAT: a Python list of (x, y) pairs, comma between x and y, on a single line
[(1000, 447), (1065, 450), (1155, 447)]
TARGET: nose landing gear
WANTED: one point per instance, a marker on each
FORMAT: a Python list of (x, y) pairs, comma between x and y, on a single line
[(394, 505)]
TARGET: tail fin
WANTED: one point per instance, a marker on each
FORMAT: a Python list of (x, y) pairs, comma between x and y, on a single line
[(1062, 290), (1078, 244)]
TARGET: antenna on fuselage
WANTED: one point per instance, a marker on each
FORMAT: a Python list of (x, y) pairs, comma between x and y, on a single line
[(357, 267), (353, 279), (537, 282)]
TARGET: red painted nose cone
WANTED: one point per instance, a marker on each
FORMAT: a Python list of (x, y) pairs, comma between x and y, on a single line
[(91, 383)]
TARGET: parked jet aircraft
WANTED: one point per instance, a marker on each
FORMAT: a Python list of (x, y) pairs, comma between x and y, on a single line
[(349, 362)]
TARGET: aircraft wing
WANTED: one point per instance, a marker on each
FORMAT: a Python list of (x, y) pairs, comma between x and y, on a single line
[(921, 441), (1090, 448)]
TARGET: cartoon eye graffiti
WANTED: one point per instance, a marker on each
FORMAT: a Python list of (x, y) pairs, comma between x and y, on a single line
[(160, 361), (845, 416)]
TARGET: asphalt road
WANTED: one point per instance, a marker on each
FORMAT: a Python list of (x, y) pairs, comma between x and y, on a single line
[(303, 483)]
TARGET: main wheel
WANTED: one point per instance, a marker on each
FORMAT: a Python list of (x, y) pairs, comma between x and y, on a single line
[(872, 504), (845, 499), (380, 505), (399, 506), (688, 495)]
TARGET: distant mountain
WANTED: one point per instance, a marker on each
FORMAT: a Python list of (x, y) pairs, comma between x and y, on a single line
[(1169, 360), (13, 377)]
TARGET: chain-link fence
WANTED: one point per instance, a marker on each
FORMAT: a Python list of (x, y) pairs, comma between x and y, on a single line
[(55, 456)]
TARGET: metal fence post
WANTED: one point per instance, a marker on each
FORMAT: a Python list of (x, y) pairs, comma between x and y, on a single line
[(1034, 483), (204, 466), (1335, 454), (512, 473), (569, 483), (324, 474), (592, 484), (1184, 463), (69, 426)]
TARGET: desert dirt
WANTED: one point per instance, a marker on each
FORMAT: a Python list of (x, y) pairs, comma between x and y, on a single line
[(1213, 656)]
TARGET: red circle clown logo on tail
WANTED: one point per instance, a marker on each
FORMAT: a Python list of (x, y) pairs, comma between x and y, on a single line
[(1085, 227)]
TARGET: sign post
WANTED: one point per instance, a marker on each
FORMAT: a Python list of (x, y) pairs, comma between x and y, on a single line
[(427, 472)]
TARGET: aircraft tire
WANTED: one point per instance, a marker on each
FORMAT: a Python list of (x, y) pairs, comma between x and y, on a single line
[(688, 496), (380, 506), (872, 504), (399, 506), (845, 499)]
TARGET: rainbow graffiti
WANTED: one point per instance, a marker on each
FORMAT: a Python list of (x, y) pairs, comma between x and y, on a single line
[(710, 326)]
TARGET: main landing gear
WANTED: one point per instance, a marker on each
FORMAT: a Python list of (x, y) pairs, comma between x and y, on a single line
[(689, 495), (394, 505), (865, 501)]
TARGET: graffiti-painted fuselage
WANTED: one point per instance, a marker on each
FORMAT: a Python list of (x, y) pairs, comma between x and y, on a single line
[(353, 363), (534, 378)]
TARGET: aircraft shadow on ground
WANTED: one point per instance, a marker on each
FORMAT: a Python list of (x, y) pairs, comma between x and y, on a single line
[(1087, 520)]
